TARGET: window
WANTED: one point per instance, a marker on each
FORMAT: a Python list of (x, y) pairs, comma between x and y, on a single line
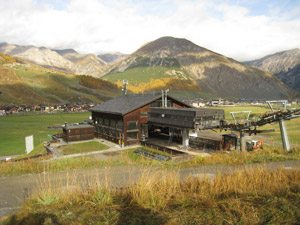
[(120, 125), (167, 116), (100, 120), (106, 122), (132, 130), (132, 125), (106, 131), (132, 136), (144, 114), (154, 115), (100, 129), (113, 123), (113, 133)]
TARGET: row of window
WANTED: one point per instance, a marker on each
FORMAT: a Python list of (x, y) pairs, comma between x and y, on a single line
[(185, 118), (110, 132), (110, 123), (169, 116), (114, 128)]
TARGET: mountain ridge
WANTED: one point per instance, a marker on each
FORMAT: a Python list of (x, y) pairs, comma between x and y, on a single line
[(211, 71), (284, 65), (24, 83), (81, 64), (112, 58)]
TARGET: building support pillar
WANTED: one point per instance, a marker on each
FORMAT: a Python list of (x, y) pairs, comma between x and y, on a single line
[(185, 138), (242, 141), (284, 135)]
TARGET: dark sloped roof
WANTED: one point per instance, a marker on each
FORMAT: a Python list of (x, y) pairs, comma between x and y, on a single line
[(127, 103)]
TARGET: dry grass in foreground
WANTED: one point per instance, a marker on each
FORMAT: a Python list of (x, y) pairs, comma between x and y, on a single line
[(128, 157), (254, 196)]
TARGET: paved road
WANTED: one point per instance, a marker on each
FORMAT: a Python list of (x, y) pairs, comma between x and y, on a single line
[(9, 156), (14, 190)]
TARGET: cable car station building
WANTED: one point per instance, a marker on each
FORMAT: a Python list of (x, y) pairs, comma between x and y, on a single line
[(132, 119)]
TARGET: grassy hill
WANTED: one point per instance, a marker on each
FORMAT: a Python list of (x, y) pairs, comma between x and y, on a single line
[(29, 84), (147, 75), (169, 58)]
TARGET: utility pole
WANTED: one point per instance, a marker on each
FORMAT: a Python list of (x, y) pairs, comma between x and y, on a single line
[(162, 99), (125, 83), (166, 98)]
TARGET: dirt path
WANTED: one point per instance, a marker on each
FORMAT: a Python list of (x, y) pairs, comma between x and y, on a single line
[(14, 190)]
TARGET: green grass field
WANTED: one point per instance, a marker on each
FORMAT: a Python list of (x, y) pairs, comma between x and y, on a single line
[(90, 146), (144, 74), (14, 129), (191, 94)]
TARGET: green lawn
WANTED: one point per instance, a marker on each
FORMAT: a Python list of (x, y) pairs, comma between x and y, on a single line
[(90, 146), (254, 109), (14, 129), (144, 74), (191, 94)]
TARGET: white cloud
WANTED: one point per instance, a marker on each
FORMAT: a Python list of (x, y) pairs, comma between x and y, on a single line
[(99, 26)]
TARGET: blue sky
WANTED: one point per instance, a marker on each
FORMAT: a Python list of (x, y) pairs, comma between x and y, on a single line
[(241, 29)]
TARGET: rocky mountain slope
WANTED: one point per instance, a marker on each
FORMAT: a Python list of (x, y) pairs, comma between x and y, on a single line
[(24, 83), (89, 64), (284, 65), (68, 61), (112, 58), (169, 57)]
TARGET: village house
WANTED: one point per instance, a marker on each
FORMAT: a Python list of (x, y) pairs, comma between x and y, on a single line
[(2, 112)]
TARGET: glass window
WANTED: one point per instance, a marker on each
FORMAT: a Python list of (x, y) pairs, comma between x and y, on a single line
[(100, 120), (132, 136), (154, 115), (132, 125), (120, 125), (144, 114), (112, 123), (106, 131), (100, 129), (167, 116), (106, 122), (113, 133)]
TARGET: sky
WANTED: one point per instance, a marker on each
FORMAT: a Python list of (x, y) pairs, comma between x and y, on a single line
[(240, 29)]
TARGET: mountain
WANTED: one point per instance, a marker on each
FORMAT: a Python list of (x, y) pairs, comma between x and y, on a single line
[(284, 65), (89, 64), (67, 61), (168, 58), (112, 58), (24, 83)]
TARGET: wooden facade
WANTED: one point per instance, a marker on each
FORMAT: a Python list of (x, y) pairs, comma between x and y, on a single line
[(191, 118), (127, 126), (78, 132)]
